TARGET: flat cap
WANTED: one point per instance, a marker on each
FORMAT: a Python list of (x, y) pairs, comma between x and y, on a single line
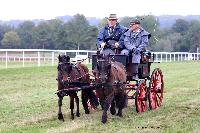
[(112, 17), (134, 21)]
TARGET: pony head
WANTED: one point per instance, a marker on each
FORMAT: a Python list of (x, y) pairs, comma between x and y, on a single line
[(103, 67), (64, 67)]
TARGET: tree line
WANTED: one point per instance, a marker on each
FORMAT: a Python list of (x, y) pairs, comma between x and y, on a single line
[(76, 33)]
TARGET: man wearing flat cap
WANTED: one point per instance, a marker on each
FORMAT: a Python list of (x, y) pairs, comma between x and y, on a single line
[(109, 37), (135, 42)]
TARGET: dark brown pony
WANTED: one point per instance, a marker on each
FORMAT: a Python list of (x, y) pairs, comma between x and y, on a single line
[(112, 76), (70, 73)]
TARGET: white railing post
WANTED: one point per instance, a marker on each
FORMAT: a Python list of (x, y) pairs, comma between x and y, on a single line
[(52, 58), (6, 59), (166, 57), (38, 58), (23, 58), (185, 57), (160, 57), (178, 57), (181, 57), (156, 57), (170, 57), (174, 57)]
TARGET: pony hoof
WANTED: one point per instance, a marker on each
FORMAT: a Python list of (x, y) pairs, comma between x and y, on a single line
[(112, 111), (60, 117), (72, 117), (104, 119), (78, 114), (119, 114), (87, 111)]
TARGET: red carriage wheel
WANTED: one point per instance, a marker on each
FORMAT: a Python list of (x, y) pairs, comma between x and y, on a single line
[(141, 97), (156, 86)]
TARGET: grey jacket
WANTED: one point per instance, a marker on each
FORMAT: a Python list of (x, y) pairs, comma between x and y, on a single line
[(137, 41)]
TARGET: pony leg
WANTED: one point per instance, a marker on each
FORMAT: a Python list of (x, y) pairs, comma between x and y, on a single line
[(101, 97), (121, 103), (112, 108), (93, 98), (107, 103), (72, 105), (77, 105), (60, 115), (84, 97)]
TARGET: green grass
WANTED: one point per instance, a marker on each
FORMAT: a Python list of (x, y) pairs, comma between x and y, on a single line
[(28, 104)]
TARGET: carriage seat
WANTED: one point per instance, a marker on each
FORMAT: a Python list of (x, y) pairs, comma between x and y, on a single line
[(146, 56)]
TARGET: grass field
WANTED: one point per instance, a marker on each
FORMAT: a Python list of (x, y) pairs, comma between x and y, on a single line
[(28, 104)]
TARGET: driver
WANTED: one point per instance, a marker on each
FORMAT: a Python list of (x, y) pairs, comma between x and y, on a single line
[(109, 37)]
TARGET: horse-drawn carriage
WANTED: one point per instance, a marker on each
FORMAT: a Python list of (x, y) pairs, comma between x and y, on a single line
[(112, 83)]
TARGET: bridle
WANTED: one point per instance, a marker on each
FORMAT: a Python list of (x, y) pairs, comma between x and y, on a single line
[(69, 78)]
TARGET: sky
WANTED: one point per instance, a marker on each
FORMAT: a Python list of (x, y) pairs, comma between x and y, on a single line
[(49, 9)]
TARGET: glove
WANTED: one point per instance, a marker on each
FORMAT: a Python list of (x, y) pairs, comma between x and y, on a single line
[(116, 45), (135, 51), (103, 45)]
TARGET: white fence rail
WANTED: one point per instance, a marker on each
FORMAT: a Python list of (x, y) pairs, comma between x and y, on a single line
[(39, 57)]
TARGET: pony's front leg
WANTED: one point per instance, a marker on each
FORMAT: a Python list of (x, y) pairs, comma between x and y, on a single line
[(107, 103), (60, 115), (77, 105), (72, 105)]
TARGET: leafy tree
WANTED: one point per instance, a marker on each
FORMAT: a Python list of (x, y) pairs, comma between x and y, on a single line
[(26, 33), (59, 34), (181, 26), (11, 40), (193, 36), (175, 39), (102, 23), (163, 45), (78, 30), (3, 29), (126, 21), (42, 36), (90, 37)]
